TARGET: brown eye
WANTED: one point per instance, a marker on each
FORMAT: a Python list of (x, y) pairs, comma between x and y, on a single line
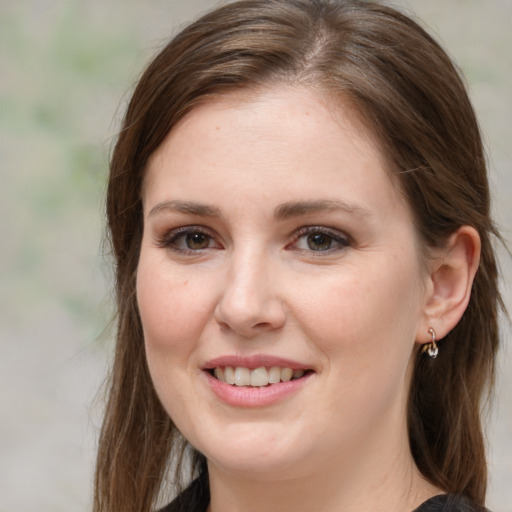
[(319, 242), (188, 240), (196, 241), (320, 239)]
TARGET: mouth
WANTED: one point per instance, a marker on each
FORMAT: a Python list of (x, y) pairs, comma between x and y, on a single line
[(260, 377), (255, 381)]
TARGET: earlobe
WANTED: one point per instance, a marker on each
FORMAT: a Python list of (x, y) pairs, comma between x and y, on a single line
[(451, 279)]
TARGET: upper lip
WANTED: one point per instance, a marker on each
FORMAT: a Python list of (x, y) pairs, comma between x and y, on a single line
[(255, 361)]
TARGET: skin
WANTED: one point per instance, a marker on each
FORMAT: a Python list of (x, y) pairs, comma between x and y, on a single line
[(353, 309)]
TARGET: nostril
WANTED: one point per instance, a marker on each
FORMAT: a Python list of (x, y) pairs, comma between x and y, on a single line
[(249, 319), (262, 325)]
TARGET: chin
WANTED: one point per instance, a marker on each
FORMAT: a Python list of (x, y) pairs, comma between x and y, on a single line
[(248, 451)]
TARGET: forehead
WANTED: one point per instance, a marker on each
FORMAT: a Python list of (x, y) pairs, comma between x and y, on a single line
[(305, 111), (274, 136)]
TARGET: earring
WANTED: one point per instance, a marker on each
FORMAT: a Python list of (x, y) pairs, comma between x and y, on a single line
[(431, 348)]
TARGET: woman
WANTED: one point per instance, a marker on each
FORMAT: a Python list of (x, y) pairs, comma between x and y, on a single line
[(307, 290)]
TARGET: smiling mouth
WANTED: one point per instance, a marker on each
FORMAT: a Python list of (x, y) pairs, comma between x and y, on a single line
[(257, 377)]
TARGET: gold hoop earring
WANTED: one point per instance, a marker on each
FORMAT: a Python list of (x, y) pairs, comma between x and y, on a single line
[(431, 348)]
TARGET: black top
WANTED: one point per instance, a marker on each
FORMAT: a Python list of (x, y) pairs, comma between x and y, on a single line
[(449, 503), (197, 496)]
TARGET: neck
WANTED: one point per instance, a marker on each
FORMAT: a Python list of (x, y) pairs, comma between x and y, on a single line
[(381, 477)]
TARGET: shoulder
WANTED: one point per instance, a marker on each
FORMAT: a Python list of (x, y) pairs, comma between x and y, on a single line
[(450, 503)]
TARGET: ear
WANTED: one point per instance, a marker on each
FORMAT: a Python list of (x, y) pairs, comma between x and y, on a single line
[(451, 276)]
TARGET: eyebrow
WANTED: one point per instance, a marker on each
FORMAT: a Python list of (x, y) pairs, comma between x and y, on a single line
[(282, 212), (297, 208), (191, 207)]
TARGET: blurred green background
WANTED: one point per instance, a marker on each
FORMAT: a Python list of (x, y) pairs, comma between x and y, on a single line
[(66, 69)]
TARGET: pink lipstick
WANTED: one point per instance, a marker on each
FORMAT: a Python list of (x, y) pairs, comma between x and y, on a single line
[(255, 381)]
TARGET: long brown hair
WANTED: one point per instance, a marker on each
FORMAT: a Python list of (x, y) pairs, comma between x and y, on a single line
[(412, 98)]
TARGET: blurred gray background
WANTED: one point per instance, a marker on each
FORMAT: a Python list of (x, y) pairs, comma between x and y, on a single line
[(66, 69)]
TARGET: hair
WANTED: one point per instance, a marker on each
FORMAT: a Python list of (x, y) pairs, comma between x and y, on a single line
[(410, 95)]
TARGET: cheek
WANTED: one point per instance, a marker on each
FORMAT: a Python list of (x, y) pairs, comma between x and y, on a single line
[(172, 314), (171, 309), (365, 316), (364, 324)]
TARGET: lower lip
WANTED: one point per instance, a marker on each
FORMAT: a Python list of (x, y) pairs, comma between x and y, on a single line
[(247, 396)]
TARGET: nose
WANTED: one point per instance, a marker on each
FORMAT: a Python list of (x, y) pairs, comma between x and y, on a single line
[(250, 303)]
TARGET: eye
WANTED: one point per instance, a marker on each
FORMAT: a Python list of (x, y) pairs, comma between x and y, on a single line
[(320, 239), (188, 239), (195, 241)]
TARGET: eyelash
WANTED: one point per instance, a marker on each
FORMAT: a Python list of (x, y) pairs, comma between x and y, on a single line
[(342, 240), (170, 239)]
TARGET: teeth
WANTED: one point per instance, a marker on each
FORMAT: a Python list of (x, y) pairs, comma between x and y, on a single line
[(297, 374), (219, 373), (274, 375), (286, 374), (259, 377), (242, 376), (229, 375)]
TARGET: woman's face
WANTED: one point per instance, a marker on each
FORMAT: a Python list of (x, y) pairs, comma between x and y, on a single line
[(277, 247)]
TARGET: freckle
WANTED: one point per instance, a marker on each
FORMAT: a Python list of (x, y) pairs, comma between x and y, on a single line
[(217, 127)]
